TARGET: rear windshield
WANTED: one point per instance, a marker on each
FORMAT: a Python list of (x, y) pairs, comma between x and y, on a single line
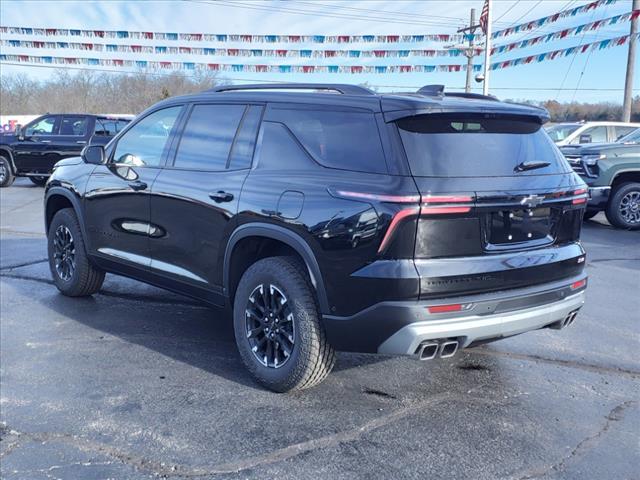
[(477, 145)]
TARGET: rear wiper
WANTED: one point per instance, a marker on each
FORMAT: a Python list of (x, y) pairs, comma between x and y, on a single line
[(521, 167)]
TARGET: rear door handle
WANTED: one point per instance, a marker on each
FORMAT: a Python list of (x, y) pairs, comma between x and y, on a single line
[(45, 141), (138, 185), (221, 196)]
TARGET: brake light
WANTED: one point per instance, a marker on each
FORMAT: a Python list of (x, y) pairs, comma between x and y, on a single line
[(377, 197), (582, 199), (397, 218), (434, 204), (578, 284)]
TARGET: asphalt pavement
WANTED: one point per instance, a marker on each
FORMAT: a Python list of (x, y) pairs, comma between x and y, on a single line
[(136, 383)]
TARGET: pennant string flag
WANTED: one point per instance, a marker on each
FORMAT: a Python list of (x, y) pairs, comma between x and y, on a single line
[(534, 24), (239, 38), (573, 31), (235, 52), (225, 67), (565, 52)]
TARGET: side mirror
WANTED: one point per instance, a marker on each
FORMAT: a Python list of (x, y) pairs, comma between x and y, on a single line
[(93, 154), (585, 138)]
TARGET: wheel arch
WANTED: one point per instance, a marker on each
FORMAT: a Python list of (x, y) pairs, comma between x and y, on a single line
[(58, 198), (5, 151), (624, 176), (274, 236)]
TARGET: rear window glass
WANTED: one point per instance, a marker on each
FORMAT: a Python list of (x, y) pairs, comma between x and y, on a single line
[(445, 145), (339, 139), (109, 127)]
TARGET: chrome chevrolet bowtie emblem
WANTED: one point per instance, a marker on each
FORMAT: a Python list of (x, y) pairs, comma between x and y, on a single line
[(532, 200)]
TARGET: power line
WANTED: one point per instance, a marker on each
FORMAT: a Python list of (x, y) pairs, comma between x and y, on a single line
[(317, 13), (507, 11)]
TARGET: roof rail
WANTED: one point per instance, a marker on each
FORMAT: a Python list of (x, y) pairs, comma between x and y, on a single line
[(478, 96), (432, 90), (334, 87)]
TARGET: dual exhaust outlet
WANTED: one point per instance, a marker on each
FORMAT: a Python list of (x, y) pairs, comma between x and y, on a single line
[(437, 348), (565, 322)]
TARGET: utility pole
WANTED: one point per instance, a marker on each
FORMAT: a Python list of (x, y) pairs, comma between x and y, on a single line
[(631, 61), (470, 50), (487, 51)]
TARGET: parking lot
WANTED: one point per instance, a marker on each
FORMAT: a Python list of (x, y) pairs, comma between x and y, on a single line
[(139, 383)]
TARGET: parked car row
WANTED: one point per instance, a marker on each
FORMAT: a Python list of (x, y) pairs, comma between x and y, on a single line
[(577, 133), (32, 150)]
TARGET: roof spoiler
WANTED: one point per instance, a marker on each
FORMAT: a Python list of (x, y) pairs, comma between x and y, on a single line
[(330, 87), (438, 91)]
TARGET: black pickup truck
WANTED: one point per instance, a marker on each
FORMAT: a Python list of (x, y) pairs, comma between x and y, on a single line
[(33, 150)]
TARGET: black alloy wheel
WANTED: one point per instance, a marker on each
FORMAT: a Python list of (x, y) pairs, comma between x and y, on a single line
[(64, 255), (269, 326)]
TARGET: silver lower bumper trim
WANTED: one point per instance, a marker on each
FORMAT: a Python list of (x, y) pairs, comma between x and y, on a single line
[(471, 328)]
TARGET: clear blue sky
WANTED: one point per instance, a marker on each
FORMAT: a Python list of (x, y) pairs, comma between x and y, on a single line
[(600, 70)]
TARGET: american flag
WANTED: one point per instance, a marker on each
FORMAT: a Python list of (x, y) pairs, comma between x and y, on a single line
[(484, 16)]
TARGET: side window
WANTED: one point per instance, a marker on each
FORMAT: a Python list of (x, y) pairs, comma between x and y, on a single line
[(74, 125), (339, 139), (244, 144), (596, 134), (619, 131), (207, 137), (144, 143), (45, 126)]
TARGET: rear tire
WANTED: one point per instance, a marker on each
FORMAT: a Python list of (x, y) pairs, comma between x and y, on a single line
[(623, 209), (589, 214), (6, 174), (72, 272), (39, 181), (292, 354)]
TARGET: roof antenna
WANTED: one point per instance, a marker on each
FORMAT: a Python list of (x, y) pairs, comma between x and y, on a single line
[(432, 90)]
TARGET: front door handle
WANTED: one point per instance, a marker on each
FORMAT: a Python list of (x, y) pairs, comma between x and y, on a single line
[(221, 196), (82, 142), (138, 185), (44, 141)]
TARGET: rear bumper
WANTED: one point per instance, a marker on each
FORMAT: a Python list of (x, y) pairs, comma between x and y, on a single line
[(398, 328), (598, 197)]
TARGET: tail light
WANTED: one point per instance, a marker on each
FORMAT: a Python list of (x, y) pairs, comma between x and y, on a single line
[(581, 196)]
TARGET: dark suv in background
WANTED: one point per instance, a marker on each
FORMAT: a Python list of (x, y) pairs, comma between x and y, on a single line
[(33, 150), (331, 219)]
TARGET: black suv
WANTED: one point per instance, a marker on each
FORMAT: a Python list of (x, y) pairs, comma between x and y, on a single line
[(333, 219), (33, 150)]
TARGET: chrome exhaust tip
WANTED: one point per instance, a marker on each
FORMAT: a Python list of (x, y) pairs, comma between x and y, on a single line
[(448, 349), (428, 350)]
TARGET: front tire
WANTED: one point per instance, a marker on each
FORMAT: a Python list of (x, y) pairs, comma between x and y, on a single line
[(6, 174), (39, 181), (623, 209), (278, 326), (72, 272)]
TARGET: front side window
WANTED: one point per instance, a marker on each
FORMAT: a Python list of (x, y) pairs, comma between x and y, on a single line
[(207, 137), (44, 126), (144, 144), (74, 126)]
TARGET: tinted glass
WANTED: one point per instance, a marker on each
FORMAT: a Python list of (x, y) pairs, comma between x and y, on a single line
[(44, 126), (105, 126), (279, 150), (474, 146), (242, 150), (561, 131), (145, 142), (208, 136), (75, 126), (343, 140)]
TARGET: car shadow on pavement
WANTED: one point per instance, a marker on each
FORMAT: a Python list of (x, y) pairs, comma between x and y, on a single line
[(177, 327)]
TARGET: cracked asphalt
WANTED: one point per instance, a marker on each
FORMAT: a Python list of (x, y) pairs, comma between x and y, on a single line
[(138, 383)]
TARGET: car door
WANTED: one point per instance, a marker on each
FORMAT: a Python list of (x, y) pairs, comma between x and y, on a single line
[(116, 201), (195, 198), (34, 146)]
